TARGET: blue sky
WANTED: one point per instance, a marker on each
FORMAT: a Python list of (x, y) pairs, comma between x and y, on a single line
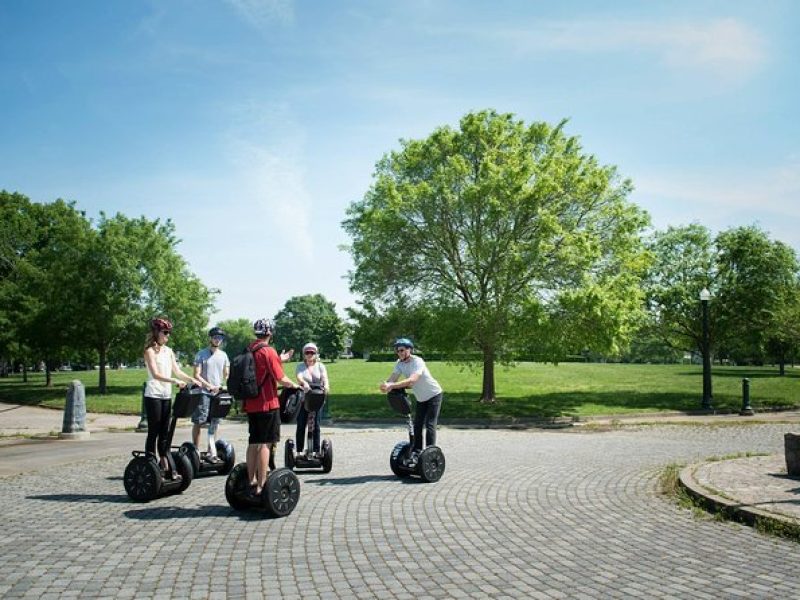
[(254, 123)]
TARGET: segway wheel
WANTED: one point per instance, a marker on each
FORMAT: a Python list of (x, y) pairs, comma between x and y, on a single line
[(226, 452), (399, 452), (327, 456), (190, 451), (281, 493), (288, 454), (236, 487), (142, 479), (185, 470), (431, 464)]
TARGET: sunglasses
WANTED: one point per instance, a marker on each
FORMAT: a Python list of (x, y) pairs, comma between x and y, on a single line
[(401, 348), (165, 332), (217, 338), (307, 352)]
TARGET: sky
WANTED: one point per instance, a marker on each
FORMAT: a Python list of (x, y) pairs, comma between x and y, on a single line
[(253, 124)]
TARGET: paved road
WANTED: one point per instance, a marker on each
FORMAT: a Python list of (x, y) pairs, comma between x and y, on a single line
[(518, 514)]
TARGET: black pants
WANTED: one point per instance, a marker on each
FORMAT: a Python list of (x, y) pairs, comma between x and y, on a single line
[(427, 416), (158, 412), (302, 426)]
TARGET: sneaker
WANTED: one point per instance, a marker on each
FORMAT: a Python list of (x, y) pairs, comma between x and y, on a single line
[(213, 459)]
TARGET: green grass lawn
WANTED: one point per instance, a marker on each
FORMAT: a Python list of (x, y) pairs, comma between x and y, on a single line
[(528, 390)]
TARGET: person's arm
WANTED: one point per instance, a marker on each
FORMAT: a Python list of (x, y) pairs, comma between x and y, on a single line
[(406, 383), (182, 377), (286, 355), (198, 375), (387, 385), (300, 375), (276, 368)]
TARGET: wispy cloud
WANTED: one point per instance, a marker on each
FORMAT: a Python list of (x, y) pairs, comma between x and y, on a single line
[(723, 198), (263, 14), (728, 48)]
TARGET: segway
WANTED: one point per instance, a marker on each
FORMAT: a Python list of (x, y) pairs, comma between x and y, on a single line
[(144, 477), (308, 459), (219, 407), (429, 464), (278, 498)]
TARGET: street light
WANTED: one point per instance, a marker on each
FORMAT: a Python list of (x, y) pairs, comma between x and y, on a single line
[(705, 296)]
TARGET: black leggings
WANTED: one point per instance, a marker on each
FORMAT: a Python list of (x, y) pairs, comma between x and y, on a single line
[(158, 411), (427, 416), (302, 429)]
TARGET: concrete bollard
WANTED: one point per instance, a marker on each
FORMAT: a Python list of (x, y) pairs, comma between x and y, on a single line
[(74, 427), (747, 410), (791, 445)]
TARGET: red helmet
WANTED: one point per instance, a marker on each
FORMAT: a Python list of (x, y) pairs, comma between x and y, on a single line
[(159, 324)]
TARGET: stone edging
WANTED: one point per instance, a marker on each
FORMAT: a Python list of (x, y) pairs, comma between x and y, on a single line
[(730, 508)]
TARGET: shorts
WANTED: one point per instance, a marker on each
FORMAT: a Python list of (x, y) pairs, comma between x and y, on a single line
[(200, 414), (265, 427)]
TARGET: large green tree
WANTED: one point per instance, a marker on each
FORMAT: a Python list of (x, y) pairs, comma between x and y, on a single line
[(310, 318), (132, 273), (516, 224)]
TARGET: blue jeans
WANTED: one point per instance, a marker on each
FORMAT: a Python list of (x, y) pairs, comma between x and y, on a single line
[(427, 415)]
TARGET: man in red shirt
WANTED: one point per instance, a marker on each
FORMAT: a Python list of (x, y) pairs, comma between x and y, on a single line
[(263, 411)]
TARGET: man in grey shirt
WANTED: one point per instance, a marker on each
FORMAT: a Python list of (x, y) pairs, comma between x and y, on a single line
[(211, 366), (426, 390)]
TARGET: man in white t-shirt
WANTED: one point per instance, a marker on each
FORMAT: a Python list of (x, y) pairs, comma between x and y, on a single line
[(426, 390), (211, 367)]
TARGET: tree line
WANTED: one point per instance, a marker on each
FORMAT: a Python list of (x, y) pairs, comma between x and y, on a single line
[(73, 290), (491, 242)]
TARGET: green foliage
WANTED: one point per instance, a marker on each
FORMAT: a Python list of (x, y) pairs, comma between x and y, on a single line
[(239, 333), (74, 290), (511, 227), (530, 390), (310, 318), (755, 301)]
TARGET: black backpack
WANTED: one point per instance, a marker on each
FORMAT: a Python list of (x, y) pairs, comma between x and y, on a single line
[(242, 383)]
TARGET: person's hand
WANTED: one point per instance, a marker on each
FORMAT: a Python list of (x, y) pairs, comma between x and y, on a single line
[(287, 354), (181, 384), (306, 387), (214, 389), (384, 387)]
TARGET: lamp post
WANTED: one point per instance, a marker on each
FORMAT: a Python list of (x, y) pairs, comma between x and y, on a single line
[(705, 296)]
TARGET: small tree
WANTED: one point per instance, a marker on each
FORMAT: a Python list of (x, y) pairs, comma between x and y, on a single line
[(310, 318)]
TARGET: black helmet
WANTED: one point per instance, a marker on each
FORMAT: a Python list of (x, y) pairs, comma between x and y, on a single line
[(216, 331)]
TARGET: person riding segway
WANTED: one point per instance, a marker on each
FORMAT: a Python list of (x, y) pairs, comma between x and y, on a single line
[(409, 458), (254, 379), (148, 476), (313, 376)]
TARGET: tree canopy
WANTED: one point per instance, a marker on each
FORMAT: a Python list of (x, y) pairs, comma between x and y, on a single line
[(514, 225), (310, 318), (71, 286)]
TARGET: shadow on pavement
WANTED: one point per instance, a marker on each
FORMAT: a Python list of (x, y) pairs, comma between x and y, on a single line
[(88, 498), (160, 513), (361, 479)]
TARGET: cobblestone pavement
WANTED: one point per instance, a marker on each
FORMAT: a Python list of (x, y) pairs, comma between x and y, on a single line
[(518, 514)]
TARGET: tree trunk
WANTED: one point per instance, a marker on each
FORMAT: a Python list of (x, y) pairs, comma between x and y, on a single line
[(48, 374), (24, 372), (782, 362), (102, 382), (487, 395)]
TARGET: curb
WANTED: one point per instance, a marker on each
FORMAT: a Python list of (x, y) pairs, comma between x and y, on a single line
[(785, 526)]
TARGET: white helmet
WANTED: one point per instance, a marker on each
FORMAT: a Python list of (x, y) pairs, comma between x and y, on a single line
[(311, 346)]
